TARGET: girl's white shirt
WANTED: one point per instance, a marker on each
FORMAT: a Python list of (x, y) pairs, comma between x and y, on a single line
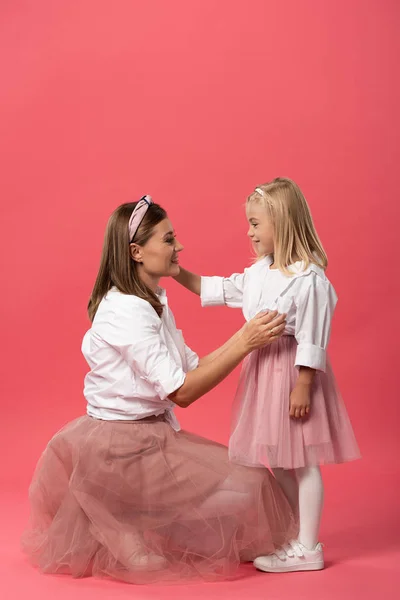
[(307, 297)]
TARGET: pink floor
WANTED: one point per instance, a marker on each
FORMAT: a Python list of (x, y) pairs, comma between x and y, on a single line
[(361, 533)]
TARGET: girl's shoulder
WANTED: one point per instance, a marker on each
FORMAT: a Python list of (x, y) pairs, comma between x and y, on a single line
[(312, 280), (299, 271), (261, 264)]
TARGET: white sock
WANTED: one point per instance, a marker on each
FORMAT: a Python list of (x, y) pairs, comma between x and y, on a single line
[(311, 500), (288, 482)]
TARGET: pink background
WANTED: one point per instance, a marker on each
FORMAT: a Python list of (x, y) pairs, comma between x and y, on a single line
[(195, 102)]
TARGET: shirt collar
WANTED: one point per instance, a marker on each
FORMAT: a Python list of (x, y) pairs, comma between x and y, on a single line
[(162, 295)]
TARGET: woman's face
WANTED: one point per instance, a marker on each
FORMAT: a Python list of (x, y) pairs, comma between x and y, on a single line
[(159, 256)]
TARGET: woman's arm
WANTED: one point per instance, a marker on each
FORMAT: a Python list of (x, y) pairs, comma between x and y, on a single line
[(213, 355), (189, 280), (134, 330), (260, 331)]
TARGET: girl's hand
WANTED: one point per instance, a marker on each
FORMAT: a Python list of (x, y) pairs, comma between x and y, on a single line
[(300, 400)]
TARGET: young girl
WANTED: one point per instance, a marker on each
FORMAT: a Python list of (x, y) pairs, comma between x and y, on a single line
[(288, 412)]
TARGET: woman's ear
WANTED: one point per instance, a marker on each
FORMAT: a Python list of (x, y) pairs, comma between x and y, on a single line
[(136, 253)]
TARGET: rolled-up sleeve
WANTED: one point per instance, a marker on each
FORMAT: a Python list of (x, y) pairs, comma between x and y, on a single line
[(135, 332), (315, 304), (192, 359), (217, 291)]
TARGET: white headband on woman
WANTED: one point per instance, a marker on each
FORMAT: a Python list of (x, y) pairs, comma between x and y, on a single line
[(260, 191), (137, 216)]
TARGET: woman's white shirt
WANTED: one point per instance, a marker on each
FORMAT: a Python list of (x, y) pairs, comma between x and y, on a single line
[(136, 359)]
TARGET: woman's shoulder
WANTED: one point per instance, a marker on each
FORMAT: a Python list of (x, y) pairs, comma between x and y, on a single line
[(117, 305), (116, 298)]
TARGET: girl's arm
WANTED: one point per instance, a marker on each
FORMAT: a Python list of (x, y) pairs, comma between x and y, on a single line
[(215, 291), (315, 305), (189, 280), (306, 376), (300, 398)]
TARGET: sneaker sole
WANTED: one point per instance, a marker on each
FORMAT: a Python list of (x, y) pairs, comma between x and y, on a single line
[(315, 566)]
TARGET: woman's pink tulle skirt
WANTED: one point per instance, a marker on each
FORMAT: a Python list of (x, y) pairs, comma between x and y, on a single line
[(263, 433), (141, 503)]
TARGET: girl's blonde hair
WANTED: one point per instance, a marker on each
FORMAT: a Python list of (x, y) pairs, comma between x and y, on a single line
[(117, 267), (295, 237)]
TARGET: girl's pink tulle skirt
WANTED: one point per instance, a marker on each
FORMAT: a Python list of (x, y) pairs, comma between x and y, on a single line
[(141, 503), (263, 433)]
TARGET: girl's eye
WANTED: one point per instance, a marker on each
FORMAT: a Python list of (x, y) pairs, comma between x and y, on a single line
[(254, 225)]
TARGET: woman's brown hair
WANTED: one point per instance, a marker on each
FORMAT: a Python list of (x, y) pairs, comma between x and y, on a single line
[(117, 268)]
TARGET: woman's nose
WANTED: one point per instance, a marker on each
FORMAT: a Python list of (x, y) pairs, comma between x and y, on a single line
[(178, 246)]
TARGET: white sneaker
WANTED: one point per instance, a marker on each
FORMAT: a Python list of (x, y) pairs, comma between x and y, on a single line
[(135, 555), (147, 562), (292, 557)]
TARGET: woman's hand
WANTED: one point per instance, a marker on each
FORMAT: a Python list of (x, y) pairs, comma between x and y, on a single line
[(263, 329), (300, 400)]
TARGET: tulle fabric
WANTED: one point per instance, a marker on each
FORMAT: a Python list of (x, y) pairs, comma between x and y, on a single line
[(263, 433), (107, 494)]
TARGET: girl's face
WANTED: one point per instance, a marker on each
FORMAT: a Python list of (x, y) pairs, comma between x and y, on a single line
[(159, 256), (261, 230)]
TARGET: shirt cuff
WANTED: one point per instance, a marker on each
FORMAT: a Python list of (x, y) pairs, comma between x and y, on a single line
[(165, 388), (212, 291), (311, 356), (193, 363)]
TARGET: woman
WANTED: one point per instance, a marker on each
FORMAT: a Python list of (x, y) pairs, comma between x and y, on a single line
[(122, 492)]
